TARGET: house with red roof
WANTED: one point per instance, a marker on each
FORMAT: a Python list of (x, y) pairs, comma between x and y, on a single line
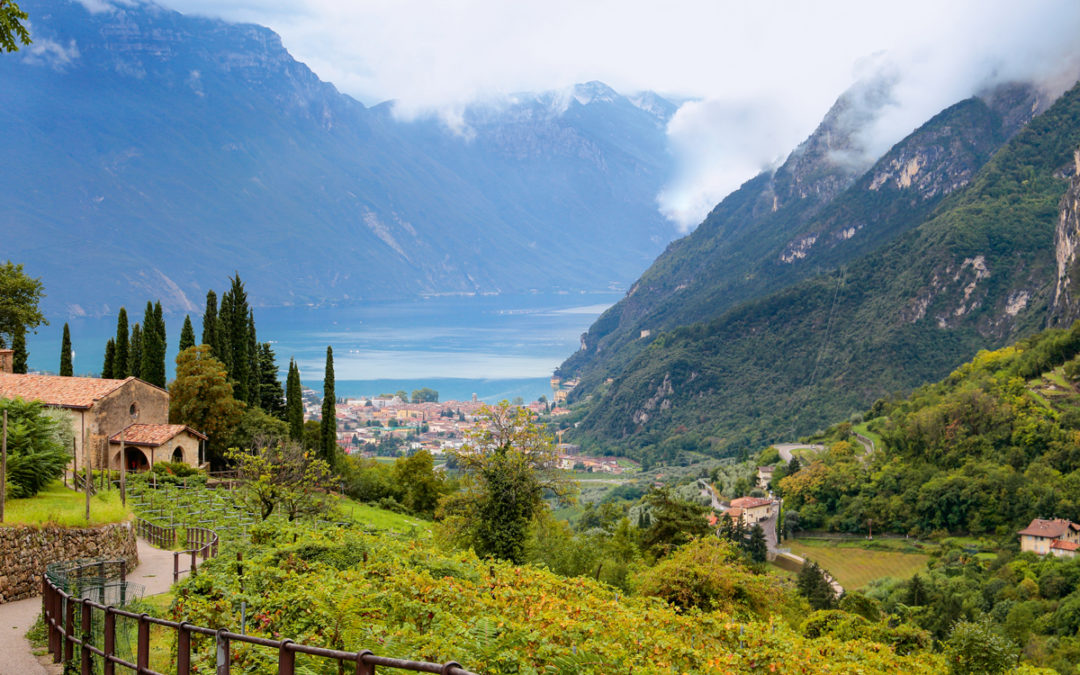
[(1057, 537), (753, 509), (113, 421)]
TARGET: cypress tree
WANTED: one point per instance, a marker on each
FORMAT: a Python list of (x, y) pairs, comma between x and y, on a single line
[(110, 354), (210, 325), (187, 334), (294, 404), (135, 357), (66, 368), (224, 336), (153, 346), (18, 344), (328, 425), (239, 337), (254, 355), (271, 397), (122, 357)]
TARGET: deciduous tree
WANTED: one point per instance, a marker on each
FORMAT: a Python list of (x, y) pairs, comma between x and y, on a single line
[(19, 298), (280, 474), (12, 29), (201, 397)]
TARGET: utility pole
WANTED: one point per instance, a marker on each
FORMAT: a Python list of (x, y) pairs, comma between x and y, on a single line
[(3, 468), (123, 471)]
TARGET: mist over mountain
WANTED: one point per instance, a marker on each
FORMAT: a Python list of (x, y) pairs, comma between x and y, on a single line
[(823, 285), (150, 154)]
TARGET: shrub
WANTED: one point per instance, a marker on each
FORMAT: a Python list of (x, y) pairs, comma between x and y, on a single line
[(36, 453)]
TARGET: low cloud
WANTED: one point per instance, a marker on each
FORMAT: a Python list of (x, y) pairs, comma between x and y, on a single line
[(46, 52)]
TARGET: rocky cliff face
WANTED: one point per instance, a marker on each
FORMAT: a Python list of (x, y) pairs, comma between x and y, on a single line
[(1066, 309)]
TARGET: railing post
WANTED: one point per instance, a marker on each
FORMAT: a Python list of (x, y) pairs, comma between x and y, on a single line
[(175, 567), (183, 649), (68, 647), (109, 668), (123, 583), (222, 653), (194, 564), (364, 668), (86, 625), (142, 654), (286, 663)]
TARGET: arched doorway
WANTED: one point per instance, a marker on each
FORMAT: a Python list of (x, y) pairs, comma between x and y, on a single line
[(178, 455), (136, 459)]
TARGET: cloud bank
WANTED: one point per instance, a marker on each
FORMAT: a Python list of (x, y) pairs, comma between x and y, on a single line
[(761, 74)]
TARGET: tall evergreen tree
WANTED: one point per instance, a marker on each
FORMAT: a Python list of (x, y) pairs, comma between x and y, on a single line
[(110, 355), (187, 334), (135, 357), (18, 344), (235, 337), (328, 425), (210, 324), (271, 397), (66, 368), (153, 346), (123, 358), (756, 546), (254, 364), (294, 404)]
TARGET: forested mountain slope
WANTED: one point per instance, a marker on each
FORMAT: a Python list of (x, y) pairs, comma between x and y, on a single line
[(815, 212), (151, 152), (980, 272)]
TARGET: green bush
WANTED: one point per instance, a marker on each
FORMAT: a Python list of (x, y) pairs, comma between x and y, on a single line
[(37, 454)]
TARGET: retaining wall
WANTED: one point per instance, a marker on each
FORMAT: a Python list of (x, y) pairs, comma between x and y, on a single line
[(25, 550)]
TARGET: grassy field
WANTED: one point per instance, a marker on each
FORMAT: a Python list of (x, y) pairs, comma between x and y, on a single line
[(381, 519), (58, 505), (854, 564)]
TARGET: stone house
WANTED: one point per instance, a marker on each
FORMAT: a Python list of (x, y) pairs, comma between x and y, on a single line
[(1056, 537), (754, 509), (764, 476), (101, 411)]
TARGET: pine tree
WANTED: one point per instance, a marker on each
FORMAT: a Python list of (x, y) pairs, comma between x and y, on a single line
[(110, 355), (122, 356), (187, 334), (66, 368), (328, 425), (18, 345), (271, 397), (756, 546), (135, 358), (210, 325), (294, 404)]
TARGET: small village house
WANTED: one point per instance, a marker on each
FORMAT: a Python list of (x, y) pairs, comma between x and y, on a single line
[(753, 509), (764, 476), (1055, 537), (105, 413)]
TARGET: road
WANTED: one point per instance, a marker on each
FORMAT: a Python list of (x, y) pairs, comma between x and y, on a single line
[(708, 491), (785, 448)]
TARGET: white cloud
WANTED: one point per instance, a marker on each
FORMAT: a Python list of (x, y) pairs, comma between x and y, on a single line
[(763, 72)]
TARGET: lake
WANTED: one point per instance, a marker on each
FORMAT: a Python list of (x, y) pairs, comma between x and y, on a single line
[(496, 346)]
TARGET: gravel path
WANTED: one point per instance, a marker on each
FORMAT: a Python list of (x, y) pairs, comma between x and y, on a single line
[(154, 573)]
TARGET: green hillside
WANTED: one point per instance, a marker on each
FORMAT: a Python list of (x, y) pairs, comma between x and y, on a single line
[(978, 273)]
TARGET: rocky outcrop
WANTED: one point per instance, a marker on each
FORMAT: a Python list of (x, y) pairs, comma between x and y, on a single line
[(1066, 242), (26, 550)]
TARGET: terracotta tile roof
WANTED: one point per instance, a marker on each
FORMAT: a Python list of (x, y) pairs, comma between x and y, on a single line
[(734, 513), (65, 392), (1065, 545), (152, 435), (750, 502), (1050, 529)]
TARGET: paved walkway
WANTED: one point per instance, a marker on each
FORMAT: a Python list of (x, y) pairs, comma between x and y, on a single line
[(154, 573)]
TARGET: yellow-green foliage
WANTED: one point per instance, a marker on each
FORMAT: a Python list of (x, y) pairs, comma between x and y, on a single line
[(58, 505), (356, 591), (709, 574)]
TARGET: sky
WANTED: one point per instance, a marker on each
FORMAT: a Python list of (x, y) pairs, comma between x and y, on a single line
[(757, 76)]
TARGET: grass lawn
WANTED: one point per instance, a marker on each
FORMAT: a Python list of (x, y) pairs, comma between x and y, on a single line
[(58, 505), (854, 564), (864, 429), (381, 519)]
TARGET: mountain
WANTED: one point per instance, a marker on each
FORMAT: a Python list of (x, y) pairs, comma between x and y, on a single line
[(946, 245), (158, 152)]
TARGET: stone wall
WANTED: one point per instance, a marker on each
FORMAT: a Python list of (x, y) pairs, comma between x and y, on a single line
[(25, 550)]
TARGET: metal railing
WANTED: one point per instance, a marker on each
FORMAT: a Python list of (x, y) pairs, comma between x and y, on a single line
[(159, 535), (59, 610), (202, 541)]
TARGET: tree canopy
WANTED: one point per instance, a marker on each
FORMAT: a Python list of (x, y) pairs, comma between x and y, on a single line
[(12, 28)]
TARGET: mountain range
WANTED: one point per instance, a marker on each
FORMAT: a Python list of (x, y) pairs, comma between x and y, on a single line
[(151, 154), (836, 280)]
